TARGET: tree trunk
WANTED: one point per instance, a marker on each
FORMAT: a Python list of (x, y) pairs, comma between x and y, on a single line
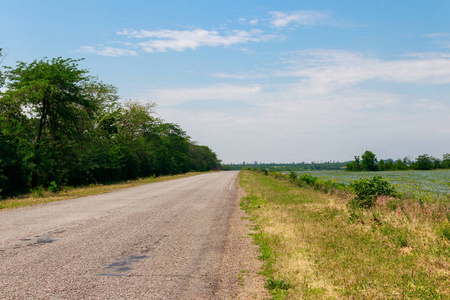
[(37, 143)]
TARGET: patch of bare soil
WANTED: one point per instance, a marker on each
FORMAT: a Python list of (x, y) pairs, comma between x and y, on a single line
[(240, 265)]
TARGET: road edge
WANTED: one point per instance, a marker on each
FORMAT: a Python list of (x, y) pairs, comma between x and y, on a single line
[(239, 267)]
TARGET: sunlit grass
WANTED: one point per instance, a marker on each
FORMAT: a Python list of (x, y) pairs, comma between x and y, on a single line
[(313, 251), (43, 196)]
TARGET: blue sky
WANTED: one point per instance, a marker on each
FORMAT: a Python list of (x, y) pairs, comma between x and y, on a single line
[(267, 81)]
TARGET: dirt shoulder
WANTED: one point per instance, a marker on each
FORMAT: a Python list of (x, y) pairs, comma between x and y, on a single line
[(240, 266)]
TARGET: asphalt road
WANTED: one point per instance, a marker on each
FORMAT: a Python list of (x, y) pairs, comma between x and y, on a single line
[(157, 241)]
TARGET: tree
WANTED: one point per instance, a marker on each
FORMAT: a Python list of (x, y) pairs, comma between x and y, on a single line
[(369, 161), (423, 162), (381, 165), (446, 161), (354, 165), (50, 93)]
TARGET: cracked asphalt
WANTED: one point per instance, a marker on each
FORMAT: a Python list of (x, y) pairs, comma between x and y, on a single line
[(157, 241)]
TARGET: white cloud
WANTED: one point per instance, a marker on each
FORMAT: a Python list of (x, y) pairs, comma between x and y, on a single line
[(302, 17), (171, 97), (337, 68), (252, 22), (326, 114), (249, 75), (107, 51), (440, 38), (176, 40)]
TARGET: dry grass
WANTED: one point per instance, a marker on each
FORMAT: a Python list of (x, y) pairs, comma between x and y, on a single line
[(313, 250), (42, 196)]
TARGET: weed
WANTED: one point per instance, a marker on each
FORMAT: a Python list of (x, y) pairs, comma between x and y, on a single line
[(367, 191), (278, 288), (443, 229), (251, 203), (53, 187), (37, 192)]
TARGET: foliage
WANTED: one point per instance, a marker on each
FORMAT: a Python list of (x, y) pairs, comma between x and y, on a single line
[(53, 187), (354, 165), (369, 161), (422, 162), (367, 190), (60, 126)]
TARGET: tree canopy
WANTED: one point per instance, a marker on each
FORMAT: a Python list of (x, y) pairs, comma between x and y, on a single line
[(59, 124), (422, 162)]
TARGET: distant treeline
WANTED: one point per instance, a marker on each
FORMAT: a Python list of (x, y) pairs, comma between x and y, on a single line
[(369, 162), (60, 126), (303, 166)]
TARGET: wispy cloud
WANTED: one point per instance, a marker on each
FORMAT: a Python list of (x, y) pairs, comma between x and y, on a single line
[(440, 38), (252, 22), (297, 18), (181, 40), (249, 75), (174, 96), (107, 51), (328, 68), (326, 99)]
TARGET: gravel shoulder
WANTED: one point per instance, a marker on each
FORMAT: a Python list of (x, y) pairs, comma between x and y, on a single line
[(239, 278)]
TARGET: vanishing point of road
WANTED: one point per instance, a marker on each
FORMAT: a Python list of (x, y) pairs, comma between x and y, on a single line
[(156, 241)]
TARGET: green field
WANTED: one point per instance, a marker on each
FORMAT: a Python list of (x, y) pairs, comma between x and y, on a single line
[(425, 186)]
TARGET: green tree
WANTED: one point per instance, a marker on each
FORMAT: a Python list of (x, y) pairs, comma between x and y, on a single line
[(354, 166), (369, 161), (381, 165), (423, 162), (446, 161), (50, 93), (202, 158)]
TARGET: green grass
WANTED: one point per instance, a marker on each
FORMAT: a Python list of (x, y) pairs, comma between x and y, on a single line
[(40, 195), (313, 250)]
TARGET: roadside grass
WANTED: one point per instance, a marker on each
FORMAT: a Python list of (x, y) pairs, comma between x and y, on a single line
[(313, 247), (40, 195)]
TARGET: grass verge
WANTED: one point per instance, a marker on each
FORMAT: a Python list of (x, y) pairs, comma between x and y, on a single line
[(313, 247), (40, 195)]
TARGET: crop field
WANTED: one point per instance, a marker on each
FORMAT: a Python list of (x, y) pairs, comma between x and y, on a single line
[(425, 186)]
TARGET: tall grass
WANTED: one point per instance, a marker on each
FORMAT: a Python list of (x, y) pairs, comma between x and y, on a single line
[(314, 248)]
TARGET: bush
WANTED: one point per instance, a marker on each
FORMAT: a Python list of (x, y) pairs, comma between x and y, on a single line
[(308, 179), (53, 187), (293, 175), (367, 190)]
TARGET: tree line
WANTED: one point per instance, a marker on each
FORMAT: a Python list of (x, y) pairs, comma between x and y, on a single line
[(369, 162), (59, 125), (279, 167)]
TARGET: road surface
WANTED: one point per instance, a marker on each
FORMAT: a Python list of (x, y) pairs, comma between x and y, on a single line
[(157, 241)]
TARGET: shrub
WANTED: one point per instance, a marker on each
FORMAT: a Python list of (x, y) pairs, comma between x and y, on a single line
[(293, 175), (53, 187), (367, 190), (308, 179)]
